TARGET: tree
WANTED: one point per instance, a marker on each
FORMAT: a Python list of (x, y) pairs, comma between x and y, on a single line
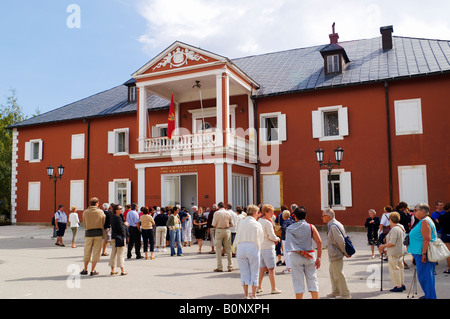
[(10, 113)]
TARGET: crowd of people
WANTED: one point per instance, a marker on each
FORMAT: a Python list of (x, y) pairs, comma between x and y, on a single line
[(256, 236), (401, 231)]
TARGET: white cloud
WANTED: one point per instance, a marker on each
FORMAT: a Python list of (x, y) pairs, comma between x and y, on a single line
[(236, 28)]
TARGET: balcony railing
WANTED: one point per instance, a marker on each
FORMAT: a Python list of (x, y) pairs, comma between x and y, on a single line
[(198, 141), (182, 142)]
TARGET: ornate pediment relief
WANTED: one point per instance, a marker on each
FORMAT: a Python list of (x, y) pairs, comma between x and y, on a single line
[(178, 58)]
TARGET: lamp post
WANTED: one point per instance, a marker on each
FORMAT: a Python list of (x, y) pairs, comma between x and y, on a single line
[(55, 177), (338, 154)]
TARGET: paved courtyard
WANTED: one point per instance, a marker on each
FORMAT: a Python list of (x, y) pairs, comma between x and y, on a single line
[(32, 267)]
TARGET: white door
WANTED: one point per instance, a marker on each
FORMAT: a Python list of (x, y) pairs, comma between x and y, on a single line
[(170, 191)]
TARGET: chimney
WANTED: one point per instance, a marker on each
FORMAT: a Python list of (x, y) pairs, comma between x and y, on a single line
[(334, 36), (386, 37)]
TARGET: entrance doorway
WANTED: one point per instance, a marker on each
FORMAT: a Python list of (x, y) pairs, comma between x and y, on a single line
[(179, 189)]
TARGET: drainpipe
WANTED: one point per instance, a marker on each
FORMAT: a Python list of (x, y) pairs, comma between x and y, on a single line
[(88, 142), (258, 179), (388, 124)]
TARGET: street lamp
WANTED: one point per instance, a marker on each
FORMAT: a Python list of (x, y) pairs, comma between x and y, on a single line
[(55, 177), (338, 154)]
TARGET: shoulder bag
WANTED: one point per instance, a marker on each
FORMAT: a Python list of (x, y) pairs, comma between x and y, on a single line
[(437, 250), (349, 248)]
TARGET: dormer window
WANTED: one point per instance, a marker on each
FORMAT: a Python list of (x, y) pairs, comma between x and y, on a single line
[(132, 93), (334, 56)]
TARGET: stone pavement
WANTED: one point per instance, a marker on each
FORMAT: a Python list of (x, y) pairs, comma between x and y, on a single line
[(32, 267)]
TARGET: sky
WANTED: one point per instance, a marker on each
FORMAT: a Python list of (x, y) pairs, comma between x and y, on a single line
[(55, 52)]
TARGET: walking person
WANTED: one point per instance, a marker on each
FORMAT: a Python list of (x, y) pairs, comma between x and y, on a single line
[(147, 223), (420, 237), (222, 221), (134, 229), (268, 255), (199, 221), (107, 233), (395, 252), (372, 224), (60, 225), (303, 258), (249, 238), (118, 240), (161, 230), (287, 221), (174, 225), (74, 224), (336, 252), (93, 220)]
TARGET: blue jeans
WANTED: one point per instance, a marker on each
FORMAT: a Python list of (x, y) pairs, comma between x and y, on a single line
[(175, 236), (425, 274)]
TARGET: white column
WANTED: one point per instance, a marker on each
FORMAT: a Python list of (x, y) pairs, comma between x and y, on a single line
[(219, 106), (251, 124), (142, 114), (230, 183), (141, 187), (219, 182)]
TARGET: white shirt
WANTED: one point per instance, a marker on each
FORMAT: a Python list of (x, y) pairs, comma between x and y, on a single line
[(250, 231), (269, 234), (74, 220)]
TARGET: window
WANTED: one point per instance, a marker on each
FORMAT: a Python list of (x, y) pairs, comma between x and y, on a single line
[(77, 194), (119, 192), (330, 123), (336, 188), (118, 142), (159, 130), (273, 127), (241, 190), (408, 117), (33, 151), (78, 146), (413, 184), (333, 64), (272, 190), (34, 196), (132, 92)]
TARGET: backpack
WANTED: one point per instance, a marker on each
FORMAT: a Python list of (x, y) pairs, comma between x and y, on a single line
[(349, 248)]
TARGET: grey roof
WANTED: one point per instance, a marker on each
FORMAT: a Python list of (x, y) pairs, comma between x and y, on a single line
[(289, 71), (302, 69)]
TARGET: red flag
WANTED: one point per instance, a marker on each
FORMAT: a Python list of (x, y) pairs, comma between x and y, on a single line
[(171, 119)]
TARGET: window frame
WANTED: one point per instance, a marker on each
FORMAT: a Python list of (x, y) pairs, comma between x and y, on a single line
[(29, 151), (75, 152), (281, 129), (345, 186), (113, 142), (37, 195), (318, 123), (412, 130)]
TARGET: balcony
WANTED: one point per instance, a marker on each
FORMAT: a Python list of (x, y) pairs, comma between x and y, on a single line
[(203, 143)]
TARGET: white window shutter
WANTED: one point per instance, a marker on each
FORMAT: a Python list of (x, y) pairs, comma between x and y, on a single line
[(27, 151), (343, 121), (128, 192), (324, 189), (346, 189), (41, 149), (111, 142), (127, 139), (317, 124), (262, 129), (282, 131), (112, 192), (408, 117), (155, 131)]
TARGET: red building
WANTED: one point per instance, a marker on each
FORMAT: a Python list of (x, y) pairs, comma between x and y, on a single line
[(247, 129)]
